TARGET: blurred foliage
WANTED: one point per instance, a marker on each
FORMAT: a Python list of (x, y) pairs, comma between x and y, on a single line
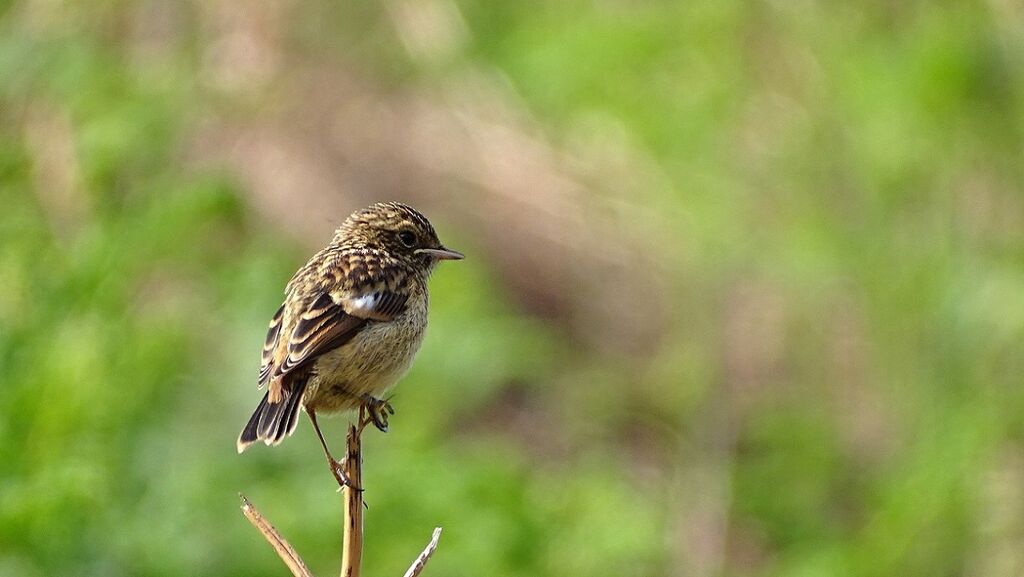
[(839, 214)]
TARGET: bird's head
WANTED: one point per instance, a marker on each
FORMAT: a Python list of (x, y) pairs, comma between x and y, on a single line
[(399, 230)]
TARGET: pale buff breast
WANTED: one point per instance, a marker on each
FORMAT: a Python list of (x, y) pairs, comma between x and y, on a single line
[(369, 364)]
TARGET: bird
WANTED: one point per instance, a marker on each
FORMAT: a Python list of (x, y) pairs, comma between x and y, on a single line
[(352, 320)]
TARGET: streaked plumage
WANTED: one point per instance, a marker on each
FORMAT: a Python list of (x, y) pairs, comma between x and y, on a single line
[(351, 322)]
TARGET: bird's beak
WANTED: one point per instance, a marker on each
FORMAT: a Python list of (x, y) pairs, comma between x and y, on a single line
[(442, 253)]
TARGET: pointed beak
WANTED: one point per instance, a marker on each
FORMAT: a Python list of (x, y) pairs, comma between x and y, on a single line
[(442, 253)]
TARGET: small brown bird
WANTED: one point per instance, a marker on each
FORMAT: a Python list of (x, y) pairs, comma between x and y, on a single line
[(352, 320)]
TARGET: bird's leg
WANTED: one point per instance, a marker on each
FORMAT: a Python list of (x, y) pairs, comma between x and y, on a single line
[(337, 467), (377, 411)]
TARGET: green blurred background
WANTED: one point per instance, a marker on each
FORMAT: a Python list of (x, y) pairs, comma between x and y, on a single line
[(744, 292)]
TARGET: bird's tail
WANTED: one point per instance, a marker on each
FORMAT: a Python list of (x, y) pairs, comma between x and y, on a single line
[(272, 422)]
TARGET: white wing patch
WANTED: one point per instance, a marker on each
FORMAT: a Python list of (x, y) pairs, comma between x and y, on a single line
[(363, 306), (379, 306)]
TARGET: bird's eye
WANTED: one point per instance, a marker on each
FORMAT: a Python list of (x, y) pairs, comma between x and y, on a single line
[(407, 237)]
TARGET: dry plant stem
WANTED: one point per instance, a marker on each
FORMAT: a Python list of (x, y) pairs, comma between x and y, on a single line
[(352, 535), (284, 549), (421, 561)]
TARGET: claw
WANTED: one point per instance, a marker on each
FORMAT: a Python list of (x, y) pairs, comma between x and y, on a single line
[(378, 412), (380, 421)]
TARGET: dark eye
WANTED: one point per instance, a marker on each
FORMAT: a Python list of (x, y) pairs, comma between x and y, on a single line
[(407, 237)]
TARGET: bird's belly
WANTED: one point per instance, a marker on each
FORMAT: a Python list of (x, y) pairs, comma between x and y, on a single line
[(369, 364)]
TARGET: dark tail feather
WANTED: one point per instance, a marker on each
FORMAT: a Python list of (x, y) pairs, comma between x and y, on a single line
[(272, 422), (249, 434)]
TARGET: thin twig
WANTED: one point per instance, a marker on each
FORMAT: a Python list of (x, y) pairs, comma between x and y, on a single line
[(352, 535), (284, 549), (421, 561)]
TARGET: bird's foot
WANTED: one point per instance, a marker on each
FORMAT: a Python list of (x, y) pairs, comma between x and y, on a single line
[(338, 470), (377, 412)]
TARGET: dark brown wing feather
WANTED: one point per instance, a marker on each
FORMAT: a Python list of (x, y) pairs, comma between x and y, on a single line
[(270, 346), (389, 305), (322, 327)]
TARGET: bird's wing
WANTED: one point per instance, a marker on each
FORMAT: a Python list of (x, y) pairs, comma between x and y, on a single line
[(325, 323)]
